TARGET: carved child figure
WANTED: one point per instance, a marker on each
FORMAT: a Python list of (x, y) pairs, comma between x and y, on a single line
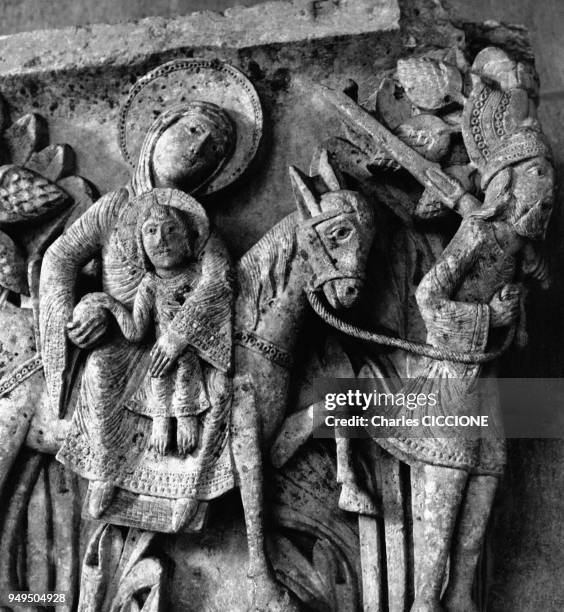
[(164, 239)]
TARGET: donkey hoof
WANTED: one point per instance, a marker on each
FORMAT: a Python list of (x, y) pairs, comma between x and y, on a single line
[(454, 603), (269, 596), (427, 605), (183, 510), (101, 495), (354, 499)]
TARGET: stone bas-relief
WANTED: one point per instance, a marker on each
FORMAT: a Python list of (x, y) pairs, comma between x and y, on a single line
[(107, 444), (151, 373), (164, 269), (474, 288)]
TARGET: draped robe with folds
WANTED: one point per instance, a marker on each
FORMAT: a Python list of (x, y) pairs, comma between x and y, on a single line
[(453, 297), (109, 439)]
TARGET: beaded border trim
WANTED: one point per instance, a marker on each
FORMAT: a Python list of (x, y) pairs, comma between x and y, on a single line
[(255, 343), (21, 373)]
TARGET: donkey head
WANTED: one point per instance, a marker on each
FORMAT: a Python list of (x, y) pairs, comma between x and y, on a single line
[(334, 234)]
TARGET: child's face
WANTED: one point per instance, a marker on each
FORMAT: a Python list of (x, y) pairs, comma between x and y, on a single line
[(166, 242)]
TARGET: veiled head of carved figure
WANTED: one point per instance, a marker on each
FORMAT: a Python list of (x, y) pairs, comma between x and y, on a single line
[(335, 233), (186, 146)]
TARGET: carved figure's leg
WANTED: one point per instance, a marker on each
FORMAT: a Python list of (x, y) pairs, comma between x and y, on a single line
[(245, 435), (186, 402), (352, 498), (248, 463), (467, 543), (443, 492), (161, 425)]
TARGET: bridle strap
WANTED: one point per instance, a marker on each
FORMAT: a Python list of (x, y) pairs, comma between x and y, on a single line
[(323, 256), (320, 281), (418, 348)]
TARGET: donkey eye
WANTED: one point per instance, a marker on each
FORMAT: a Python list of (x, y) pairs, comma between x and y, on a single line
[(340, 233)]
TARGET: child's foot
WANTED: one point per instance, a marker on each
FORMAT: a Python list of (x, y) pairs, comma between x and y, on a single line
[(159, 434), (101, 495), (187, 434)]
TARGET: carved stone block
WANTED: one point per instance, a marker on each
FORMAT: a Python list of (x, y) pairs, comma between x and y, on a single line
[(267, 175)]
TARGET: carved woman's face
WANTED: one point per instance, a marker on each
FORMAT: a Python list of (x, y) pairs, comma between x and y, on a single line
[(187, 153), (166, 242)]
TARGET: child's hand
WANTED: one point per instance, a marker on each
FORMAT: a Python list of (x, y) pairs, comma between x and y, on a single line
[(164, 354), (187, 434)]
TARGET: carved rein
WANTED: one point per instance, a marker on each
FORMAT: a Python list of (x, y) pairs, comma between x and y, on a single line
[(282, 358), (418, 348)]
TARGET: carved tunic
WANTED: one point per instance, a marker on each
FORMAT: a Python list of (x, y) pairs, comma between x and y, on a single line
[(453, 298), (180, 392)]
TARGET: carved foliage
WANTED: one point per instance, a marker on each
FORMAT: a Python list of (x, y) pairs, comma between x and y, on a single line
[(314, 548), (36, 187), (118, 576)]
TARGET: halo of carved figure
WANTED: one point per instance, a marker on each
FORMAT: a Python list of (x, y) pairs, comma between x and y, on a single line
[(185, 81)]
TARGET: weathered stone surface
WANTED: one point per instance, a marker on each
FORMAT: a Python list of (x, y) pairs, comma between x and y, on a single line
[(13, 275), (83, 111), (24, 136), (25, 195), (268, 23), (54, 162), (527, 525), (82, 194), (81, 103)]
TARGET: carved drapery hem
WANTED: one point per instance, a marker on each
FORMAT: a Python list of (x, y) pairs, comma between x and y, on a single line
[(144, 473)]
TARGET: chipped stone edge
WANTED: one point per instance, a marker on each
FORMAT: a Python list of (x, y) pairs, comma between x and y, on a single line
[(40, 51)]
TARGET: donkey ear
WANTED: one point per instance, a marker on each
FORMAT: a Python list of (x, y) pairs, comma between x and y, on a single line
[(327, 172), (305, 200)]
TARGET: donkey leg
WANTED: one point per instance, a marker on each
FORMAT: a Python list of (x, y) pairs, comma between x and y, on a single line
[(352, 498), (267, 594), (468, 540), (16, 412), (443, 491), (248, 463)]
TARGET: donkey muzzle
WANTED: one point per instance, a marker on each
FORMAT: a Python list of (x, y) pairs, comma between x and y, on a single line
[(342, 293)]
